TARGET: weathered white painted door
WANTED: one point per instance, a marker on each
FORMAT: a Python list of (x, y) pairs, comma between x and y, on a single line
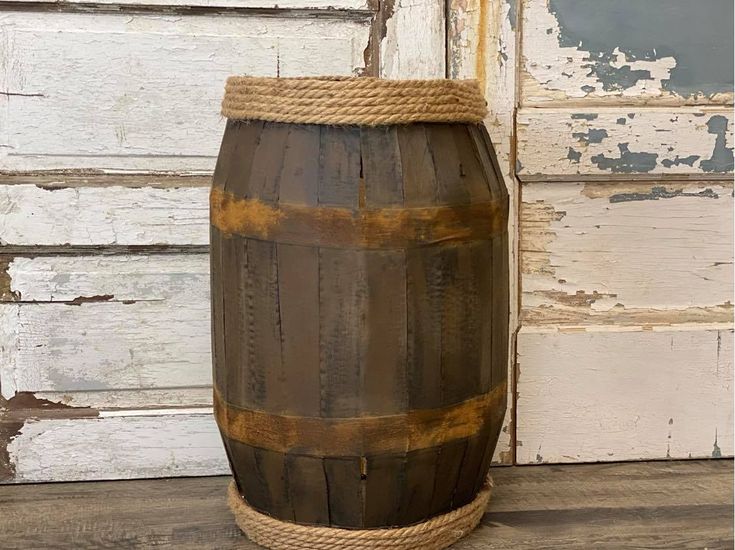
[(625, 156), (109, 129), (613, 126)]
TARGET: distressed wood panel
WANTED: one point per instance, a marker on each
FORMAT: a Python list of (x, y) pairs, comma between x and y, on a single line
[(131, 398), (481, 44), (619, 395), (113, 445), (104, 215), (411, 37), (618, 142), (105, 327), (142, 92), (247, 4), (635, 253), (627, 51)]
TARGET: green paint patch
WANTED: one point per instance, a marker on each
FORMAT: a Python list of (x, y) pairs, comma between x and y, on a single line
[(657, 193)]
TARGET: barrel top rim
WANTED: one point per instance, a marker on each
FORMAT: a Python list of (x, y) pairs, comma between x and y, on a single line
[(362, 101)]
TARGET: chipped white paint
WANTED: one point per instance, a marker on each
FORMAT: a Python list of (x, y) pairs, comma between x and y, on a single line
[(124, 399), (600, 252), (413, 45), (109, 346), (151, 444), (623, 142), (147, 327), (482, 45), (140, 278), (115, 215), (247, 4), (606, 396), (142, 92), (555, 72), (549, 67)]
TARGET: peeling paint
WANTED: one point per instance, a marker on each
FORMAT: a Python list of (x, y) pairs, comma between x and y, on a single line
[(628, 161), (660, 140), (716, 451), (512, 13), (584, 116), (631, 245), (573, 155), (7, 294), (593, 135), (378, 32), (653, 47), (660, 192), (79, 300), (14, 413), (722, 156), (689, 161)]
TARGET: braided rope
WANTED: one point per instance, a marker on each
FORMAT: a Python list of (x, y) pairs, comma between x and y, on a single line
[(434, 534), (353, 100)]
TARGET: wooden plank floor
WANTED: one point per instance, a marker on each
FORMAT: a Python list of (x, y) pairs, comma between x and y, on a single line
[(627, 505)]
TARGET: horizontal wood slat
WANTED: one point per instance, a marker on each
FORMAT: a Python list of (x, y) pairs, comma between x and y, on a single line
[(129, 444), (137, 214), (280, 5), (621, 143), (97, 329), (657, 52), (609, 394), (70, 103), (626, 253)]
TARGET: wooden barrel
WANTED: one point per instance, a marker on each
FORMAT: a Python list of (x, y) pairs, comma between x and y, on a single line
[(360, 317)]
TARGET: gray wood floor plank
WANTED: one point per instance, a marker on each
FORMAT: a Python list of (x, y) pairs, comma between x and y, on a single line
[(626, 505)]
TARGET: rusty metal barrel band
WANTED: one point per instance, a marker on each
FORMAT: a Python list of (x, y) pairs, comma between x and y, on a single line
[(359, 436), (360, 228)]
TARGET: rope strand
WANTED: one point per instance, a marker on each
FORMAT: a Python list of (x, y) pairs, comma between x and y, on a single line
[(353, 100), (436, 533)]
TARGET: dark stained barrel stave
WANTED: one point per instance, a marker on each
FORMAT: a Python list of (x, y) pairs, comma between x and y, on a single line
[(359, 314)]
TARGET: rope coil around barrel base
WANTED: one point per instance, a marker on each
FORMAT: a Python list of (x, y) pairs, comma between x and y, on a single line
[(436, 533)]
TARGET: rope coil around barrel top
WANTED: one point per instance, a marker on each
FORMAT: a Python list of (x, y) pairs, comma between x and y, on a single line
[(362, 101), (433, 534)]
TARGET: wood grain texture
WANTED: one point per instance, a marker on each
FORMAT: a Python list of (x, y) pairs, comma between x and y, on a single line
[(371, 311), (361, 5), (134, 211), (629, 505), (626, 52), (623, 143), (146, 113), (647, 394), (411, 40), (123, 444), (365, 435), (482, 43), (147, 317), (627, 253)]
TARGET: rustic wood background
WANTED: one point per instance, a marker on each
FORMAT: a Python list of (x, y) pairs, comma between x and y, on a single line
[(614, 127)]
